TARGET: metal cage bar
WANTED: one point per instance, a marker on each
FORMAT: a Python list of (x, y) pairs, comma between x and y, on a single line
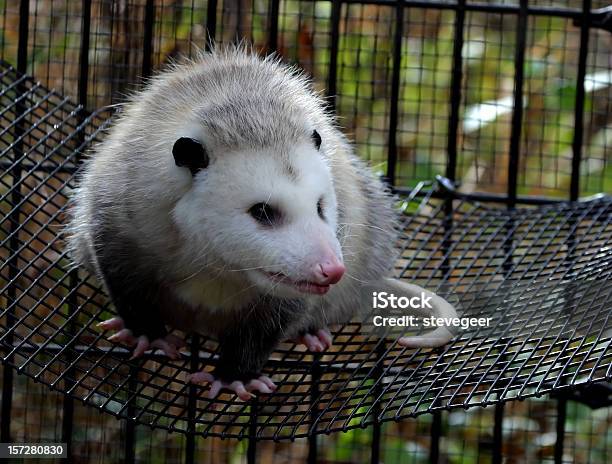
[(395, 87), (147, 42), (580, 95), (517, 113), (7, 377), (273, 25), (333, 53), (560, 439), (455, 100)]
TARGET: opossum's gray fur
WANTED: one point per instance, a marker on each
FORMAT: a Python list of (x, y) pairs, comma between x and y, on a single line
[(122, 212)]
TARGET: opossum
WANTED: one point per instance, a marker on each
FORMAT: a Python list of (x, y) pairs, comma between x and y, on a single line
[(226, 201)]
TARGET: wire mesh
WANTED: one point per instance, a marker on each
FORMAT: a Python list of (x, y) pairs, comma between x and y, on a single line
[(356, 50), (542, 275), (466, 436)]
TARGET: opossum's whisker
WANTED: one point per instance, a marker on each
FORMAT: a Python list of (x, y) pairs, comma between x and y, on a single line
[(355, 278), (256, 267), (364, 225), (348, 236), (349, 254), (198, 271), (278, 312), (262, 267)]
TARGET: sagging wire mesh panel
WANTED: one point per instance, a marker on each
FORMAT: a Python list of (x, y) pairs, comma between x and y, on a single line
[(392, 72), (465, 436)]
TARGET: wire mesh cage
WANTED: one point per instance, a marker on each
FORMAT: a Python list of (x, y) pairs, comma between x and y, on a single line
[(507, 103)]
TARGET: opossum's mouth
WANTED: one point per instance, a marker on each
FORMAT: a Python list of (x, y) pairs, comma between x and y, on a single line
[(303, 286)]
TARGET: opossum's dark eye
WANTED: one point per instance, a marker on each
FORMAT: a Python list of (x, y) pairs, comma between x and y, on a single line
[(320, 209), (316, 138), (265, 214), (190, 153)]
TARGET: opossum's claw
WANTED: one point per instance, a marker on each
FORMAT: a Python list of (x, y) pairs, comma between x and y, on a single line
[(114, 323), (142, 345), (123, 336), (262, 384), (178, 342), (169, 348), (316, 342), (325, 337), (268, 381)]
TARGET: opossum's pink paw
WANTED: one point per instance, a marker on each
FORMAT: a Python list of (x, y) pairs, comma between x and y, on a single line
[(142, 345), (124, 336), (262, 384), (170, 344), (325, 337), (316, 342)]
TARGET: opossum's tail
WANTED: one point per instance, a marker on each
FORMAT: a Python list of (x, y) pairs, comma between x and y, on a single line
[(440, 309), (438, 337)]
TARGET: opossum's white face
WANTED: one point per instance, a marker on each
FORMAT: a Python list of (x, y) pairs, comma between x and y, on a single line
[(270, 217)]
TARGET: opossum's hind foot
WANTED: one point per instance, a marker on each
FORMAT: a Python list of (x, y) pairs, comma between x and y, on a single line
[(262, 384), (316, 340), (169, 345)]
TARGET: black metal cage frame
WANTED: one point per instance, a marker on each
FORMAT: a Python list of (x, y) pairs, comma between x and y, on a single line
[(539, 264)]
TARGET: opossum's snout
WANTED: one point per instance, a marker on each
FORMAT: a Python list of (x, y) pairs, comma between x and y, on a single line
[(315, 275), (328, 271)]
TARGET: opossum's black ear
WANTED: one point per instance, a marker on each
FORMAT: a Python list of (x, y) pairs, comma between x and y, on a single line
[(190, 153), (316, 138)]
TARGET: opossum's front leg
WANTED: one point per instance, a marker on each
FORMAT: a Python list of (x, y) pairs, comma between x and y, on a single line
[(244, 348), (136, 295), (243, 351), (439, 308)]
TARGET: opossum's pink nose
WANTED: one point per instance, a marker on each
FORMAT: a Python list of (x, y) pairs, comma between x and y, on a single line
[(330, 271)]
